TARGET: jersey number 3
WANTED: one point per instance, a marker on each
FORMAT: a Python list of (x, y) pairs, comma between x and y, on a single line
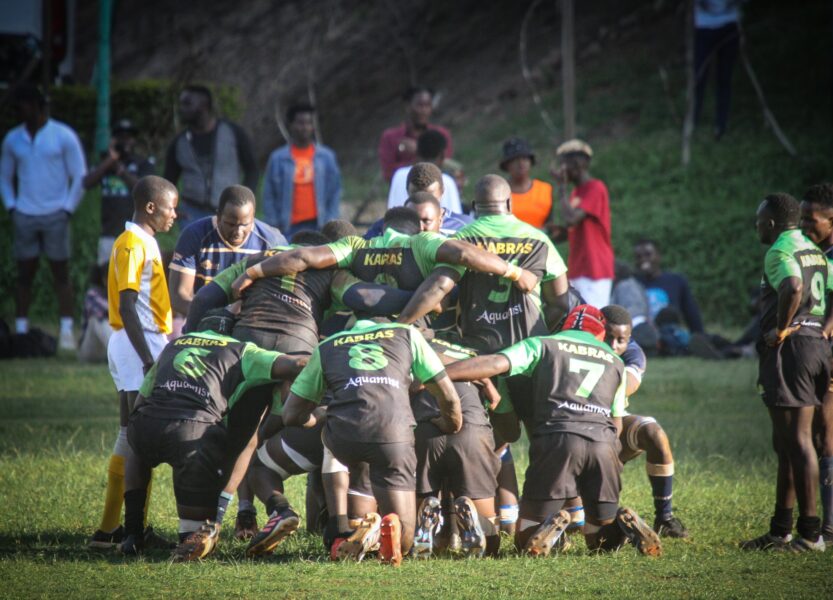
[(594, 373)]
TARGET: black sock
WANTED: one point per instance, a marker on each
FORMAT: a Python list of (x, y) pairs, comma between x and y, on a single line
[(661, 487), (826, 489), (343, 523), (611, 537), (809, 528), (781, 523), (277, 502), (134, 512)]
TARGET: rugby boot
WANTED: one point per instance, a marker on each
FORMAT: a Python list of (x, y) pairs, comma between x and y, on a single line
[(132, 546), (199, 544), (766, 541), (429, 522), (153, 541), (800, 544), (548, 534), (670, 527), (279, 526), (640, 534), (362, 539), (245, 525), (390, 547), (101, 540), (472, 538)]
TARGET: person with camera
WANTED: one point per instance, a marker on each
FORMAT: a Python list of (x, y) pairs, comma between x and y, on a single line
[(119, 170)]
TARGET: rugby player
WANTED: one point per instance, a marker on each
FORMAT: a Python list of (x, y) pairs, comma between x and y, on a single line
[(140, 315), (643, 434), (794, 367), (198, 410), (369, 420), (817, 224), (578, 386)]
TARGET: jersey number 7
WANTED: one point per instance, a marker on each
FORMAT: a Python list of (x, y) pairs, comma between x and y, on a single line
[(594, 373)]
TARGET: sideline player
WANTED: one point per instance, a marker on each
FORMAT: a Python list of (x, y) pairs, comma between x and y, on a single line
[(579, 388), (140, 315), (198, 410), (817, 224), (794, 367), (368, 369), (643, 434)]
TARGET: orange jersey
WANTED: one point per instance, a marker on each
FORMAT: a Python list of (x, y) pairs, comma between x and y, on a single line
[(136, 264), (303, 198), (535, 205)]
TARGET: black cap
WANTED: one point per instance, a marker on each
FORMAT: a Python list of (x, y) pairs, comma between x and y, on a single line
[(218, 320), (125, 125), (513, 148)]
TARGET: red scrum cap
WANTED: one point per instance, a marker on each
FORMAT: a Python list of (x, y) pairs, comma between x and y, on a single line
[(585, 317)]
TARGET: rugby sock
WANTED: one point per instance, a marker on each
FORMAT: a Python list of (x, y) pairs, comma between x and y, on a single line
[(781, 523), (66, 324), (114, 495), (21, 325), (808, 528), (278, 503), (826, 488), (134, 507), (662, 482), (246, 506), (576, 517), (222, 505)]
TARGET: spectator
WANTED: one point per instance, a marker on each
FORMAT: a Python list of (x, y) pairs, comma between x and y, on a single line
[(455, 169), (398, 145), (302, 185), (46, 159), (209, 245), (585, 211), (118, 172), (209, 155), (427, 177), (629, 293), (531, 198), (430, 148), (95, 329), (716, 42)]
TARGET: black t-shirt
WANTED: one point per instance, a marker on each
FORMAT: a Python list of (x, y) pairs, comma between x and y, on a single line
[(116, 198)]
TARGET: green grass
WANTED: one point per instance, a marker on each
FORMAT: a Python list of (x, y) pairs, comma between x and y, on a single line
[(59, 422)]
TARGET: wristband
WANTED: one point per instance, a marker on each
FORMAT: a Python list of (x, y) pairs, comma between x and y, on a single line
[(513, 272), (255, 271)]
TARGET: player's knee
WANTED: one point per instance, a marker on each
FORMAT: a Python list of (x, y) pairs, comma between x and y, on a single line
[(655, 441)]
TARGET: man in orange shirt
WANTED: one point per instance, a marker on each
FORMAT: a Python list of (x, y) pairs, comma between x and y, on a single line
[(531, 198), (302, 186)]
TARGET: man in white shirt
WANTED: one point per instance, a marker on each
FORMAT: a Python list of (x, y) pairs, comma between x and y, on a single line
[(430, 148), (47, 159)]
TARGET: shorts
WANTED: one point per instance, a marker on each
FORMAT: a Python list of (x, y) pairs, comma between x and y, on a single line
[(795, 373), (464, 463), (360, 480), (125, 364), (272, 341), (303, 446), (596, 292), (41, 234), (566, 465), (392, 465), (195, 450)]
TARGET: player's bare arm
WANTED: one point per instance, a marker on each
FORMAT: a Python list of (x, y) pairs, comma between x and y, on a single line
[(290, 262), (299, 412), (429, 294), (181, 286), (287, 367), (479, 367), (556, 300), (459, 252), (451, 414), (789, 301), (133, 327)]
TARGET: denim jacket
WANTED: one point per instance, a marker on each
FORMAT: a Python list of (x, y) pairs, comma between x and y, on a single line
[(279, 183)]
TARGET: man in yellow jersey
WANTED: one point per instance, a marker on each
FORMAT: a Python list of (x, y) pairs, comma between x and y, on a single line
[(140, 315)]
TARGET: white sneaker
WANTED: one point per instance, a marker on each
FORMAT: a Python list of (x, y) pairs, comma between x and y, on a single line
[(66, 341)]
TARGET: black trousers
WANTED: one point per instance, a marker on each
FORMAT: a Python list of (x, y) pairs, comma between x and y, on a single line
[(718, 48)]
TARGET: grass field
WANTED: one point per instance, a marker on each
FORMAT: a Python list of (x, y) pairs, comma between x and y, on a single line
[(58, 424)]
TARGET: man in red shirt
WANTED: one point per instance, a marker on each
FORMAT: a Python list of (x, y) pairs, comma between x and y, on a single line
[(397, 146), (585, 212)]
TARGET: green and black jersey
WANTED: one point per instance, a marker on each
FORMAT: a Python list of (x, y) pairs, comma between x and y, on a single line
[(425, 406), (199, 377), (578, 383), (794, 255), (492, 313), (293, 305), (369, 369), (393, 259)]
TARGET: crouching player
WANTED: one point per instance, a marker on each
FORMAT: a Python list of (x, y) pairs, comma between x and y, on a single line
[(643, 434), (578, 385), (368, 369), (198, 410)]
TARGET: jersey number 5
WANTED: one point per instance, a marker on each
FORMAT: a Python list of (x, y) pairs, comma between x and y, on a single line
[(594, 373)]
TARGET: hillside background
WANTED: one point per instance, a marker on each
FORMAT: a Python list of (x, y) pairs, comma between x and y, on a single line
[(360, 55)]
